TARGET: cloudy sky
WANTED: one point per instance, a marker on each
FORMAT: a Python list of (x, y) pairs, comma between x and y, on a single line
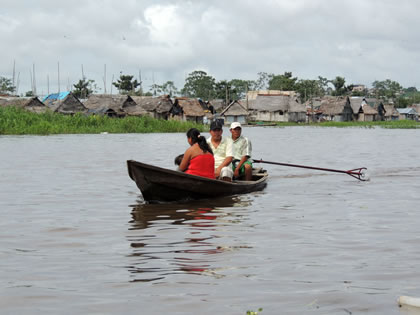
[(360, 40)]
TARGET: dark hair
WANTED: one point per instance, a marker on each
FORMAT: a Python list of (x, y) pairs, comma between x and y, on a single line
[(178, 159), (195, 136)]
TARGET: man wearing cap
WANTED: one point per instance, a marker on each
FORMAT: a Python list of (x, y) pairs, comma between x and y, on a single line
[(242, 149), (222, 151)]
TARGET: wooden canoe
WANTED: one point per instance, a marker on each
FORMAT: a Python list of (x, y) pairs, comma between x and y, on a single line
[(161, 185)]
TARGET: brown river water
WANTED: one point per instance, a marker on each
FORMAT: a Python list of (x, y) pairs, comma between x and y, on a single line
[(77, 238)]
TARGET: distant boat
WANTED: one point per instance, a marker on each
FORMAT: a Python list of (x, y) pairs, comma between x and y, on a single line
[(162, 185)]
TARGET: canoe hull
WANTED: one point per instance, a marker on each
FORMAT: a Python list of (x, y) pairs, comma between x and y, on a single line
[(158, 184)]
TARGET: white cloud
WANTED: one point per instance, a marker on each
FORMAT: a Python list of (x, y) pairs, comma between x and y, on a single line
[(360, 40)]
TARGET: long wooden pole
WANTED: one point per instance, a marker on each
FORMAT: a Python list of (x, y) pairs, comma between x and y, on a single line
[(357, 173)]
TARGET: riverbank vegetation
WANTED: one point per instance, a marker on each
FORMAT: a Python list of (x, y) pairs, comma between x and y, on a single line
[(395, 124), (15, 121)]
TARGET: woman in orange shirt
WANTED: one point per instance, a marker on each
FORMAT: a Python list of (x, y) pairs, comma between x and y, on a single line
[(198, 158)]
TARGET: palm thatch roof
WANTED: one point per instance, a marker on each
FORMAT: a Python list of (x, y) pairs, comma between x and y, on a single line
[(64, 103), (369, 110), (111, 104), (252, 95), (356, 102), (160, 105), (391, 111), (218, 104), (273, 103), (32, 104), (189, 106), (235, 109), (331, 105)]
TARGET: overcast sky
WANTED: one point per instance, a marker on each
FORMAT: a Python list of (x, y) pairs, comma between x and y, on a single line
[(360, 40)]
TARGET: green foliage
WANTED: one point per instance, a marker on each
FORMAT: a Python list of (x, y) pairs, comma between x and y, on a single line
[(254, 312), (29, 93), (6, 86), (397, 124), (308, 89), (339, 85), (126, 84), (167, 88), (84, 88), (262, 82), (199, 84), (16, 121), (387, 89), (283, 82)]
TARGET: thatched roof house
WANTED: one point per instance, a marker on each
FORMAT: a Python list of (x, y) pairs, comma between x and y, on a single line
[(235, 111), (156, 107), (391, 112), (64, 103), (252, 95), (217, 104), (32, 104), (336, 108), (364, 109), (272, 107), (187, 109), (111, 105)]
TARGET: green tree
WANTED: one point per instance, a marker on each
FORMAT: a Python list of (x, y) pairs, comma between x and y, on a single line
[(262, 82), (29, 94), (282, 82), (387, 89), (6, 86), (308, 89), (323, 84), (339, 86), (169, 88), (126, 84), (199, 84), (84, 88), (222, 90), (239, 88), (155, 89)]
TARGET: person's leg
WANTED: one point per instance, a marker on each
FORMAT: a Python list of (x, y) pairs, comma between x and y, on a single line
[(226, 174), (248, 171)]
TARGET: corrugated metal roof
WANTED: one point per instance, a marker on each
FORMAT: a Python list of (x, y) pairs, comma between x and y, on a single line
[(407, 110)]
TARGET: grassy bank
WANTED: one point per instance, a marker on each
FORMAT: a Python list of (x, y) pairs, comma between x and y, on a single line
[(14, 121), (397, 124)]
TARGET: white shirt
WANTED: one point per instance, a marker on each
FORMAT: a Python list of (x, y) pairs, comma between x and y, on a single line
[(241, 146), (223, 150)]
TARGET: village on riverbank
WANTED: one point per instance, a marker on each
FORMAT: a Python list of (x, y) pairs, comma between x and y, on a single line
[(259, 107)]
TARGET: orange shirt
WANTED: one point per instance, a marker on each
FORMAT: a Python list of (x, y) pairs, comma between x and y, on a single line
[(202, 165)]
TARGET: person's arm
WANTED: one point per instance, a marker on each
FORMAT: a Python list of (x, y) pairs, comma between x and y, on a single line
[(185, 160)]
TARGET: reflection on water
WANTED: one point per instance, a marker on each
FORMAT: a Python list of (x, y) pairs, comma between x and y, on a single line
[(196, 226)]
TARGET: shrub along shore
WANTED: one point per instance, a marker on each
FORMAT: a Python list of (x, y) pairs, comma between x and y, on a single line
[(15, 121)]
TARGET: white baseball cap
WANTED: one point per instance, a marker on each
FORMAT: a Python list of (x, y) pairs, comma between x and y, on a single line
[(235, 125)]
